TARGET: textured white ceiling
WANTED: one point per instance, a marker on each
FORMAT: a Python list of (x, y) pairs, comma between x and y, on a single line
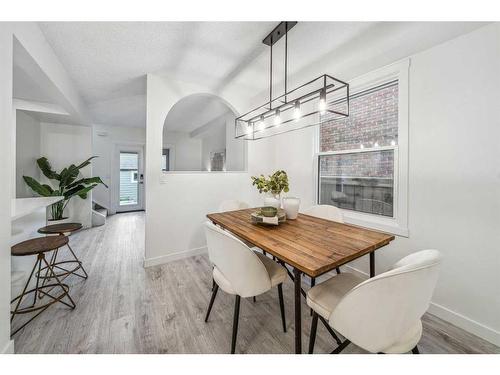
[(108, 60)]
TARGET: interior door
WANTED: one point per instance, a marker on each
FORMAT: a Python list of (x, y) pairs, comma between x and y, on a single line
[(130, 195)]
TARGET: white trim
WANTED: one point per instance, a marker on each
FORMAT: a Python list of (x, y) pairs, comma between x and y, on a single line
[(8, 348), (467, 324), (174, 256), (358, 150), (398, 224), (39, 107)]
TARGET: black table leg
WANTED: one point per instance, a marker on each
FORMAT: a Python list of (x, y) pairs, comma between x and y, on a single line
[(372, 264), (298, 316)]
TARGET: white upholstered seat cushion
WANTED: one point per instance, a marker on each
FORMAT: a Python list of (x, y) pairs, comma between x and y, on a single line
[(277, 274), (324, 297)]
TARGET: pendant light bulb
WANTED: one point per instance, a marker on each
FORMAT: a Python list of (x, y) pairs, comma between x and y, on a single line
[(322, 102), (277, 118), (260, 123), (296, 112)]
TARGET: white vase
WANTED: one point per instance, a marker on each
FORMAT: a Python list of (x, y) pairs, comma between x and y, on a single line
[(272, 201), (291, 206)]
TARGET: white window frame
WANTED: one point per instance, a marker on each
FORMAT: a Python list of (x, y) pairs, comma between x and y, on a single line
[(398, 224)]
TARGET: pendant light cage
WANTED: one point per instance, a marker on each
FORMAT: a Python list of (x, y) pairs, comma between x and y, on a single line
[(325, 97)]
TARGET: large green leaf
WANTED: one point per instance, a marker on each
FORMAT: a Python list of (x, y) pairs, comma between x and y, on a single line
[(85, 181), (43, 190), (79, 190), (86, 162), (68, 176), (83, 194), (46, 168)]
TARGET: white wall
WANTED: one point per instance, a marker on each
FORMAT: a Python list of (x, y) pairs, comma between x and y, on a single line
[(28, 151), (214, 140), (104, 141), (186, 154), (6, 165), (63, 145), (454, 176), (236, 149)]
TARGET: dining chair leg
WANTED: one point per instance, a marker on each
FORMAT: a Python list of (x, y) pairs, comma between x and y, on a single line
[(330, 330), (282, 306), (338, 270), (341, 347), (235, 323), (415, 350), (314, 327), (214, 293)]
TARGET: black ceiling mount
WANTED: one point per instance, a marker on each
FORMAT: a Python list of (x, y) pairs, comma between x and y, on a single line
[(278, 32)]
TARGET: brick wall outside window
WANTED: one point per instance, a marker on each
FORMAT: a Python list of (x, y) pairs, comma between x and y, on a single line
[(373, 117)]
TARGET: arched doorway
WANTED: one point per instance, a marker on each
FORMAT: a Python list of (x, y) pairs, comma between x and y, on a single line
[(198, 136)]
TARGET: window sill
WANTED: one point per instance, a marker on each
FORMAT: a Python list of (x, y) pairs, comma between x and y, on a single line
[(389, 225)]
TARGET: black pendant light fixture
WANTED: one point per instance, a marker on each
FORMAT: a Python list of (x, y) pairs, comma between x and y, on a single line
[(325, 96)]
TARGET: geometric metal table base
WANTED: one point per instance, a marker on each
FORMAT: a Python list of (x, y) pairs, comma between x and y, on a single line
[(57, 266), (40, 289)]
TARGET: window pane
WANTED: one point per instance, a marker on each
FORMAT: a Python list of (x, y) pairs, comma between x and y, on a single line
[(372, 121), (128, 160), (361, 181)]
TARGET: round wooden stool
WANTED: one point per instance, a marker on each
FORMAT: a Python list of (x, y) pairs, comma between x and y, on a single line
[(39, 246), (64, 229)]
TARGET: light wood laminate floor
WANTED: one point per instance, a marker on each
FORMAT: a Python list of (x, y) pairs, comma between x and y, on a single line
[(124, 308)]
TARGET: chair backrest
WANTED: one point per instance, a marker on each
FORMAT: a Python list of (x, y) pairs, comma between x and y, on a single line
[(232, 205), (325, 211), (380, 311), (237, 262)]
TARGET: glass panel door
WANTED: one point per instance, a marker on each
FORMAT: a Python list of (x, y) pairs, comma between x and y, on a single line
[(129, 179)]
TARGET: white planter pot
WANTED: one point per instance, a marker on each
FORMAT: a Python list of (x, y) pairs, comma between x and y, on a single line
[(61, 221), (291, 206)]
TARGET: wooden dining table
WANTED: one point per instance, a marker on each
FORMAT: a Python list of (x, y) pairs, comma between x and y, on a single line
[(310, 245)]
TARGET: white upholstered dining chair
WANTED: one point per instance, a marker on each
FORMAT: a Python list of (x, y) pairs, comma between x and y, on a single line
[(232, 205), (240, 271), (381, 314), (326, 212)]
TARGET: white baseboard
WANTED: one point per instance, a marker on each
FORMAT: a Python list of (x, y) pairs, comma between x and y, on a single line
[(174, 256), (8, 348), (467, 324), (459, 320)]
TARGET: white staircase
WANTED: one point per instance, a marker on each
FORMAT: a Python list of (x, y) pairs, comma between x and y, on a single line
[(99, 214)]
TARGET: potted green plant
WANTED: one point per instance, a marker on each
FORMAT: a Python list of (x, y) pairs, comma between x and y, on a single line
[(67, 183), (273, 185)]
